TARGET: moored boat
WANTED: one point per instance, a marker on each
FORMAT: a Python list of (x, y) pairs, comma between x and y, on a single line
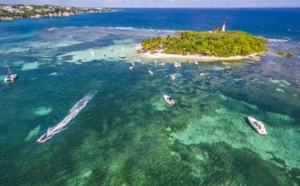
[(169, 100), (201, 73), (173, 77), (161, 64), (257, 125), (177, 64), (10, 77)]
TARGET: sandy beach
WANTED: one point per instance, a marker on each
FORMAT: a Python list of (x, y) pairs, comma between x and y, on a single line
[(160, 55)]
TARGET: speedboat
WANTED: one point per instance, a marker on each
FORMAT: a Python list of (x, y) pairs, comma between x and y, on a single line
[(43, 138), (177, 64), (150, 72), (196, 62), (131, 67), (201, 73), (169, 100), (10, 77), (161, 64), (257, 125), (173, 77)]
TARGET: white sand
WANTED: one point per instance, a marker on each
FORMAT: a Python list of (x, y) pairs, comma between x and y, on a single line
[(195, 57), (159, 55)]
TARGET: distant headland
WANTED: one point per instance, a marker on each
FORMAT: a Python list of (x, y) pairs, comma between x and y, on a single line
[(20, 11)]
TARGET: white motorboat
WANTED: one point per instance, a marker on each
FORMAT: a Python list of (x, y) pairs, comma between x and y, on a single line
[(150, 72), (173, 77), (177, 64), (161, 64), (9, 76), (92, 53), (257, 125), (169, 100)]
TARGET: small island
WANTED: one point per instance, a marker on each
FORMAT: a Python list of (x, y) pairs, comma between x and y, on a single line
[(287, 54), (217, 45), (13, 12)]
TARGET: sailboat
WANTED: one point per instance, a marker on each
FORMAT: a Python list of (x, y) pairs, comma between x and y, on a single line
[(10, 76)]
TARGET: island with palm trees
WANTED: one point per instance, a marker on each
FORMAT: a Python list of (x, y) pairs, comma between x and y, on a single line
[(217, 45)]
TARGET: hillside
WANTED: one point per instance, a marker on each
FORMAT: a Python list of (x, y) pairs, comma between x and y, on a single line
[(12, 12)]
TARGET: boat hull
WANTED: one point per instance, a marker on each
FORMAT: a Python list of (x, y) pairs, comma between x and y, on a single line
[(173, 77), (169, 100), (10, 77), (257, 125)]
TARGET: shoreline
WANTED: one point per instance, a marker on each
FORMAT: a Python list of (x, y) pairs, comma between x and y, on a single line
[(20, 11), (160, 55)]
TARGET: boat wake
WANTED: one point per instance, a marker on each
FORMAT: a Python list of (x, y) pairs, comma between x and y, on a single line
[(72, 114)]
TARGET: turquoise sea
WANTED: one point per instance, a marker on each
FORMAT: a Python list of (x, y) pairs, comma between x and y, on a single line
[(126, 134)]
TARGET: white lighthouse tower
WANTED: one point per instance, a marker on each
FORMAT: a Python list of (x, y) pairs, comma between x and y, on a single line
[(223, 27)]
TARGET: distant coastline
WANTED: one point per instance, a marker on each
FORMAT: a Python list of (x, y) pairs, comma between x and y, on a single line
[(13, 12)]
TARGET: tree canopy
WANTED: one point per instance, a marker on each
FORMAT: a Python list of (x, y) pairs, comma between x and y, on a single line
[(220, 44)]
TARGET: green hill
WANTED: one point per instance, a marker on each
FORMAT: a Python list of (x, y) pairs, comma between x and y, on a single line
[(220, 44)]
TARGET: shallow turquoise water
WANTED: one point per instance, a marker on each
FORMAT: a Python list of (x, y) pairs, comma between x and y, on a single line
[(127, 134)]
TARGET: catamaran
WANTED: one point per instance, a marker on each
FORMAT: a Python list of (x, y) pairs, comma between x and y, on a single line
[(9, 76)]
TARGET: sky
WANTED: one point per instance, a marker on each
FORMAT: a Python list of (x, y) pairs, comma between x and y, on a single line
[(161, 3)]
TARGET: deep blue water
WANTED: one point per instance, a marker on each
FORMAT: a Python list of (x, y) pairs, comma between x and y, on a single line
[(127, 134), (266, 22)]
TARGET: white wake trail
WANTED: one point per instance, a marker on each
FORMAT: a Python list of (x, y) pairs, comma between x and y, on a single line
[(71, 115)]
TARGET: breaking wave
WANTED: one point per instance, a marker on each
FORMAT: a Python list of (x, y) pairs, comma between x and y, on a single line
[(278, 40)]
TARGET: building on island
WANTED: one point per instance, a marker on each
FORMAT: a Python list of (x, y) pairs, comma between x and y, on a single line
[(223, 27)]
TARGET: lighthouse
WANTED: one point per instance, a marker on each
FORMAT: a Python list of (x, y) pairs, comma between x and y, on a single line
[(223, 27)]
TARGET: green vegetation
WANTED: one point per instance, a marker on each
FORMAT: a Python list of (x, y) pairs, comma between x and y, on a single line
[(281, 53), (220, 44), (287, 54), (22, 11)]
